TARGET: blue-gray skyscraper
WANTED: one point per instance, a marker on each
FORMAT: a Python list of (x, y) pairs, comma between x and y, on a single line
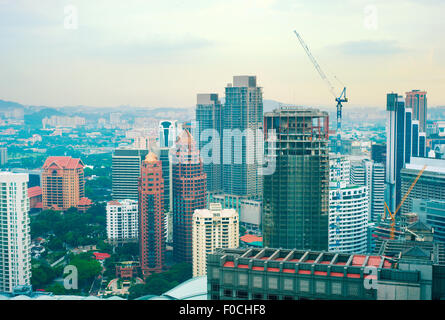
[(403, 142), (208, 118), (242, 122)]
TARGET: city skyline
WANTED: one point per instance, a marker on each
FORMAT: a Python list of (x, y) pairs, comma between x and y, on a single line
[(137, 51)]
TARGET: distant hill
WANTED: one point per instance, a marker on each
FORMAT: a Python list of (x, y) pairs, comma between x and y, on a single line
[(35, 119), (6, 105)]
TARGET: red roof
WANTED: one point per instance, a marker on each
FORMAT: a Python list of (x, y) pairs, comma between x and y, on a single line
[(358, 260), (337, 274), (243, 266), (304, 271), (289, 270), (273, 269), (63, 163), (34, 192), (374, 261), (229, 264), (353, 275), (84, 202), (320, 273), (258, 268), (251, 238), (114, 203), (101, 256)]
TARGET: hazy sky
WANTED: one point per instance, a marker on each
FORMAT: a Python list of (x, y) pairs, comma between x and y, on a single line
[(162, 53)]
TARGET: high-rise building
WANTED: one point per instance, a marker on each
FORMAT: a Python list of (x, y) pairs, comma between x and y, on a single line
[(189, 194), (125, 171), (378, 153), (250, 210), (151, 216), (141, 143), (432, 213), (340, 167), (122, 221), (213, 228), (348, 216), (398, 146), (429, 186), (372, 175), (209, 125), (242, 127), (417, 100), (296, 195), (165, 157), (15, 258), (168, 131), (63, 183), (3, 156)]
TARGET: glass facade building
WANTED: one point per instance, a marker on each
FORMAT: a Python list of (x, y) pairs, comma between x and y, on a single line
[(242, 123), (296, 195)]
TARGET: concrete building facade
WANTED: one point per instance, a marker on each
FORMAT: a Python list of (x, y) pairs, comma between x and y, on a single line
[(213, 228), (122, 221), (15, 252)]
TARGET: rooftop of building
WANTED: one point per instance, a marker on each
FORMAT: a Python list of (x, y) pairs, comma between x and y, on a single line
[(296, 111), (34, 192), (63, 163), (397, 248), (432, 165)]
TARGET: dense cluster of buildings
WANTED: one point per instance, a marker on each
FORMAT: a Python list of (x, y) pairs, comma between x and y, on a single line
[(315, 224)]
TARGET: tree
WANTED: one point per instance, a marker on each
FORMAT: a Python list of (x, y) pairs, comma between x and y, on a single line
[(41, 275), (87, 268)]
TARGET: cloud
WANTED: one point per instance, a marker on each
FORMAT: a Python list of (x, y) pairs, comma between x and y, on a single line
[(369, 48)]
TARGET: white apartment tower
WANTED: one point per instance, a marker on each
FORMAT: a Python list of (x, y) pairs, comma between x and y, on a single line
[(371, 174), (122, 221), (15, 241), (214, 228), (348, 218)]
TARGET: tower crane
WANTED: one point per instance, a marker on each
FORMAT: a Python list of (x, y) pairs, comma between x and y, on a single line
[(340, 99)]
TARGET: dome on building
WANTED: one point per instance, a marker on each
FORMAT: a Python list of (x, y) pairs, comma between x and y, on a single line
[(192, 289), (151, 157)]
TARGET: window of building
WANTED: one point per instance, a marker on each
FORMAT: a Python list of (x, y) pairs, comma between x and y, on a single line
[(257, 281)]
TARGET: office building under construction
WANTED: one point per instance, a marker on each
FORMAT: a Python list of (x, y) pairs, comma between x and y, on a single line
[(296, 194)]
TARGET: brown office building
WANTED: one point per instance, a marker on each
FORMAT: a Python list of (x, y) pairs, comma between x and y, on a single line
[(63, 183)]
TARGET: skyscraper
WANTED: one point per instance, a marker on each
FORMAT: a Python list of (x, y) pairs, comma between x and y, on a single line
[(417, 100), (209, 122), (348, 206), (213, 228), (242, 123), (372, 175), (398, 143), (189, 194), (63, 183), (125, 170), (429, 186), (168, 131), (378, 153), (151, 216), (296, 195), (15, 258), (164, 156)]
